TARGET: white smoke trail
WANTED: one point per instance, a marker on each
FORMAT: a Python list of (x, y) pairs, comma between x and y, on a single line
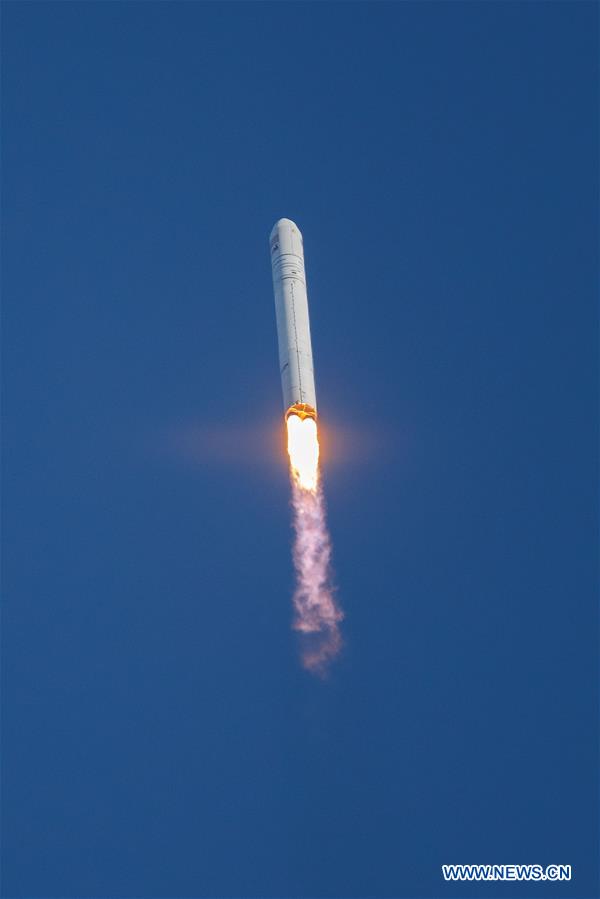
[(317, 616)]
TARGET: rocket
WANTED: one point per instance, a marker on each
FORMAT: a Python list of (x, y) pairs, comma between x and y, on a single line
[(293, 326), (317, 615)]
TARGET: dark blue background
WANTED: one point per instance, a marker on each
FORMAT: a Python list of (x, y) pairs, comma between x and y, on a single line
[(160, 737)]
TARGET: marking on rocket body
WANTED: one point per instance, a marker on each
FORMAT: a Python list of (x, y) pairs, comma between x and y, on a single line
[(282, 264)]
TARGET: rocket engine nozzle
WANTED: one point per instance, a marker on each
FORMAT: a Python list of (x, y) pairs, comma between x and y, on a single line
[(302, 410)]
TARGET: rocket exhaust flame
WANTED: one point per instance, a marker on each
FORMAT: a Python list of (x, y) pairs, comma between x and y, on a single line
[(316, 614), (303, 450)]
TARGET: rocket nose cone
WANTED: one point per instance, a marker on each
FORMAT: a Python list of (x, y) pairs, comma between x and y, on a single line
[(283, 224)]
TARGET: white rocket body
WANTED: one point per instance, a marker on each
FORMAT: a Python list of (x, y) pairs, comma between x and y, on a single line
[(293, 327)]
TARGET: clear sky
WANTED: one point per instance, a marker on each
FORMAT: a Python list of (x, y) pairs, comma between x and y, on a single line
[(160, 738)]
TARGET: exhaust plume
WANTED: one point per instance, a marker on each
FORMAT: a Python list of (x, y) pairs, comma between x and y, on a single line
[(317, 615)]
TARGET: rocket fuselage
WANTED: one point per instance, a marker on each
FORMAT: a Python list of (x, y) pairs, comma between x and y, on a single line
[(293, 327)]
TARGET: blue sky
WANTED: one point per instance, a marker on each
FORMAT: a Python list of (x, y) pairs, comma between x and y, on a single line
[(160, 738)]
